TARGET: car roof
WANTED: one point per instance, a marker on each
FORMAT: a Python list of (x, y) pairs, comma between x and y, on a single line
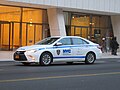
[(65, 36), (68, 37)]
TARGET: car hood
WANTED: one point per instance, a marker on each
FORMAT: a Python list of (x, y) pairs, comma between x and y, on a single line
[(33, 47)]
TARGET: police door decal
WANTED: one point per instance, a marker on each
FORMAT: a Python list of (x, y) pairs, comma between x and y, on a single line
[(66, 51), (58, 52)]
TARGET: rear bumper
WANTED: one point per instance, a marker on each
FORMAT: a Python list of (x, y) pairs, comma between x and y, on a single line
[(99, 55)]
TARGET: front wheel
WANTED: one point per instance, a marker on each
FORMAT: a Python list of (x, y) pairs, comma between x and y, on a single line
[(46, 59), (90, 58)]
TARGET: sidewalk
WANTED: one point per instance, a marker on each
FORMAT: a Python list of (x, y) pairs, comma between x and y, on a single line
[(108, 55), (8, 55)]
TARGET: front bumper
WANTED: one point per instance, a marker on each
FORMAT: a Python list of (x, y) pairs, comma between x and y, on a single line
[(24, 56), (19, 56)]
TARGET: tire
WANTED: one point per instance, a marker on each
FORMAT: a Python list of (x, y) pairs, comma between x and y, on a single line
[(90, 58), (25, 63), (46, 59)]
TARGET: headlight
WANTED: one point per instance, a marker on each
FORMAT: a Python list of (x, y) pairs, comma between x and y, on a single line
[(31, 51)]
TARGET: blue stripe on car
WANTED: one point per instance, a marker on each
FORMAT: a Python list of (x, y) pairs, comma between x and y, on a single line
[(69, 57), (41, 48)]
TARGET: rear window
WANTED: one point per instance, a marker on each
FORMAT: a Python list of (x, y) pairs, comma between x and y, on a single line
[(78, 41)]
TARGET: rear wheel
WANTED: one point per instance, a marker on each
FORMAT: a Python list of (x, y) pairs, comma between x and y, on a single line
[(90, 58), (46, 59)]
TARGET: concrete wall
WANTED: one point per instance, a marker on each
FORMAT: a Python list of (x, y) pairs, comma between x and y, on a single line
[(116, 27), (56, 22), (108, 6)]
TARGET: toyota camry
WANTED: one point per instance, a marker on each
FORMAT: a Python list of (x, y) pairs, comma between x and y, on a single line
[(67, 49)]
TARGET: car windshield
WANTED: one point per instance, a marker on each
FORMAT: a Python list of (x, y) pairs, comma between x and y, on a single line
[(47, 41)]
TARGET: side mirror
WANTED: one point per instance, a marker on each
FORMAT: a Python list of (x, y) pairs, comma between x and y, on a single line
[(58, 44)]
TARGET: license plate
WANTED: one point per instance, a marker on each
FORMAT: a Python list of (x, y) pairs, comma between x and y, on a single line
[(17, 56)]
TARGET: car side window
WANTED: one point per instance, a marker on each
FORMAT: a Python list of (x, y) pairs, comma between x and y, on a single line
[(65, 41), (78, 41)]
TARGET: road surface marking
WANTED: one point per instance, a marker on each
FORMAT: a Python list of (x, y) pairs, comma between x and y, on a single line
[(58, 77)]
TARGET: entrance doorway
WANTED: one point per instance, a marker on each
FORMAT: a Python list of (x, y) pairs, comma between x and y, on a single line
[(22, 26), (81, 31), (5, 34), (34, 33), (11, 37)]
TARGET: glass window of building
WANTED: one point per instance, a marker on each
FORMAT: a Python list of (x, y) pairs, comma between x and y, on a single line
[(22, 26), (32, 27), (8, 13), (90, 26)]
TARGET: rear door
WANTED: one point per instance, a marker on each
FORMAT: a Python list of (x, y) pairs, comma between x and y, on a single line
[(79, 48)]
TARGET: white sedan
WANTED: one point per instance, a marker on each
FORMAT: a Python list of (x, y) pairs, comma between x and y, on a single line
[(54, 49)]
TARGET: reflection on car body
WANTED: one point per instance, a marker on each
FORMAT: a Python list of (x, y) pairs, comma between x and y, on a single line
[(54, 49)]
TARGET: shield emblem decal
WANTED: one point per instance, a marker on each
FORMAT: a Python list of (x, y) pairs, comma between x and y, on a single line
[(58, 52)]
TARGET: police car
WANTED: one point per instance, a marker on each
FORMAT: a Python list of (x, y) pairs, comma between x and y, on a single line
[(54, 49)]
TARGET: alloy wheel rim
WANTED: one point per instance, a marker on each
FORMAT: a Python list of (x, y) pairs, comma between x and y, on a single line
[(90, 58), (46, 59)]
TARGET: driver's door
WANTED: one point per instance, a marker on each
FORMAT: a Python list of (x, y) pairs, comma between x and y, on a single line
[(63, 52)]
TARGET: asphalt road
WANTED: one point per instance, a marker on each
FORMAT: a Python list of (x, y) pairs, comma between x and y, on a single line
[(103, 75)]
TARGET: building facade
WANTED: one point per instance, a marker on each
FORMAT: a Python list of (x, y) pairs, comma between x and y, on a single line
[(25, 22)]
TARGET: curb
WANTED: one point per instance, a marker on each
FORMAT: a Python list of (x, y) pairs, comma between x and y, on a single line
[(5, 60)]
